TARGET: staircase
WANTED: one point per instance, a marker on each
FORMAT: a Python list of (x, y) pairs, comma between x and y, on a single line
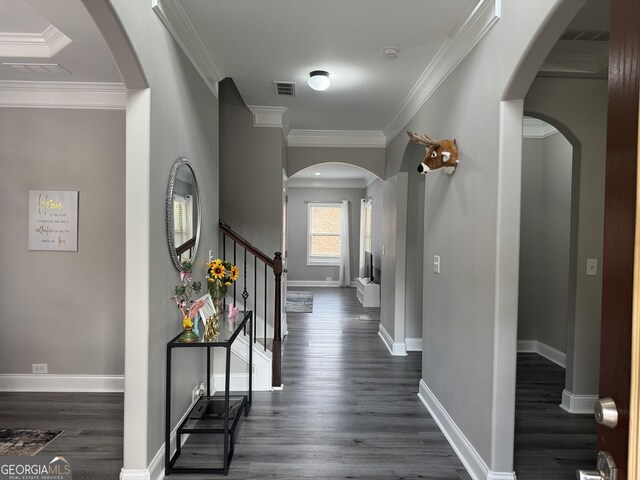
[(262, 365), (258, 289)]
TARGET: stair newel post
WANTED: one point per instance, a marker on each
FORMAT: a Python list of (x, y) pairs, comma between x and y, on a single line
[(277, 336)]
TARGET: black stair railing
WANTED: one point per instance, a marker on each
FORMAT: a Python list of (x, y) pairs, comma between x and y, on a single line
[(275, 264)]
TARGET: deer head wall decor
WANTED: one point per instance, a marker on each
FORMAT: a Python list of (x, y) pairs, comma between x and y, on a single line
[(441, 154)]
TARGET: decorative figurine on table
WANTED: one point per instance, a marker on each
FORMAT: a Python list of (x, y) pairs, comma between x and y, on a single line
[(220, 275), (211, 329), (182, 297), (233, 310)]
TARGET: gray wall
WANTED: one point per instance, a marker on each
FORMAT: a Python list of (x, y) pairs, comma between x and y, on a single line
[(184, 122), (577, 107), (467, 336), (372, 159), (415, 255), (545, 240), (251, 163), (297, 231), (56, 304)]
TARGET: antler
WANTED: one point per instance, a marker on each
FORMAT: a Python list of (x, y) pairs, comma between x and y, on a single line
[(423, 140)]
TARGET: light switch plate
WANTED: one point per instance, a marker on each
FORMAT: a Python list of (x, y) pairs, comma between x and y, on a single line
[(592, 266), (436, 264)]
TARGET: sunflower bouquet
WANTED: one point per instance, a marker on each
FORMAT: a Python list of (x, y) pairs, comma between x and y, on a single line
[(220, 275)]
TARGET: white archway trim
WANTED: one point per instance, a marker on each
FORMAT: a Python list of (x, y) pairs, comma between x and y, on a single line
[(506, 292), (136, 367)]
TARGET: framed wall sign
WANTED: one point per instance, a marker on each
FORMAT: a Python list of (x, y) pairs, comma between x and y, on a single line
[(53, 220)]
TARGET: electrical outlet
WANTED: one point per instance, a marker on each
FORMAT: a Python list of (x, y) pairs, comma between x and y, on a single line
[(328, 279), (195, 393), (198, 391), (436, 264), (39, 368)]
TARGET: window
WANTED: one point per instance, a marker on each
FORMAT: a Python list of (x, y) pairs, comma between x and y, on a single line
[(368, 213), (323, 244), (182, 224)]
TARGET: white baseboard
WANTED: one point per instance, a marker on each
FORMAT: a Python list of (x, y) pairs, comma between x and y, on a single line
[(468, 455), (27, 382), (501, 475), (316, 283), (547, 351), (135, 474), (413, 344), (395, 348), (578, 404)]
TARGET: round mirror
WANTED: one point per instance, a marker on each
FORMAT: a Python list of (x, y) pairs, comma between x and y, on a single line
[(183, 214)]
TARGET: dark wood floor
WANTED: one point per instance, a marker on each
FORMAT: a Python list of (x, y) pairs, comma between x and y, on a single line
[(348, 410), (550, 443), (92, 424)]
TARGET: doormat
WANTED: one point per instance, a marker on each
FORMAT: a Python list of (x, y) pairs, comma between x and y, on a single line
[(25, 442), (300, 302)]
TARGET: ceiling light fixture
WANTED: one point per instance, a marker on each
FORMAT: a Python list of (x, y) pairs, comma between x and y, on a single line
[(317, 173), (319, 80)]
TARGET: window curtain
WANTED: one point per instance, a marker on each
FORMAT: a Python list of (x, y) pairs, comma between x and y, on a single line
[(345, 262), (363, 227)]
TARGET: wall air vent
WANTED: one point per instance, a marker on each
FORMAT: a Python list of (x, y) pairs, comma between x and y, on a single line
[(37, 67), (586, 35), (285, 88)]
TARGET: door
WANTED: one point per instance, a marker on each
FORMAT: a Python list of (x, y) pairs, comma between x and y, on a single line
[(620, 222)]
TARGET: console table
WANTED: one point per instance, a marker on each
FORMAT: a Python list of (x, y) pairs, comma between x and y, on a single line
[(212, 414), (368, 293)]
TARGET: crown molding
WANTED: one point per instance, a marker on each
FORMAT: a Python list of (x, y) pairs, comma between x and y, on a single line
[(82, 95), (177, 22), (264, 116), (336, 138), (484, 15), (33, 45), (534, 128)]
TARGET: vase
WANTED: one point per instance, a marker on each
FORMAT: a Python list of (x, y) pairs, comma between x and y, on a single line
[(218, 291), (211, 329), (188, 336)]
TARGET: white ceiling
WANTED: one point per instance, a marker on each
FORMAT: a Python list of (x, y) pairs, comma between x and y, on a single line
[(85, 59), (258, 42)]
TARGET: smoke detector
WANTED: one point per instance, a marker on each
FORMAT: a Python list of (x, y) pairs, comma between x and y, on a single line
[(389, 53)]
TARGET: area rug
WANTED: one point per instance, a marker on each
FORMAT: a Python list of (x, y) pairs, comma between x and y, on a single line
[(25, 442), (300, 302)]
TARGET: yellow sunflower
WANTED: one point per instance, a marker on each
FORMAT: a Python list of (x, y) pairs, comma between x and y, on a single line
[(218, 271), (187, 323), (233, 275)]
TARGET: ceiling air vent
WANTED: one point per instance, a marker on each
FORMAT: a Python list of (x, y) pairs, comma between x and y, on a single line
[(37, 67), (586, 35), (285, 88)]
